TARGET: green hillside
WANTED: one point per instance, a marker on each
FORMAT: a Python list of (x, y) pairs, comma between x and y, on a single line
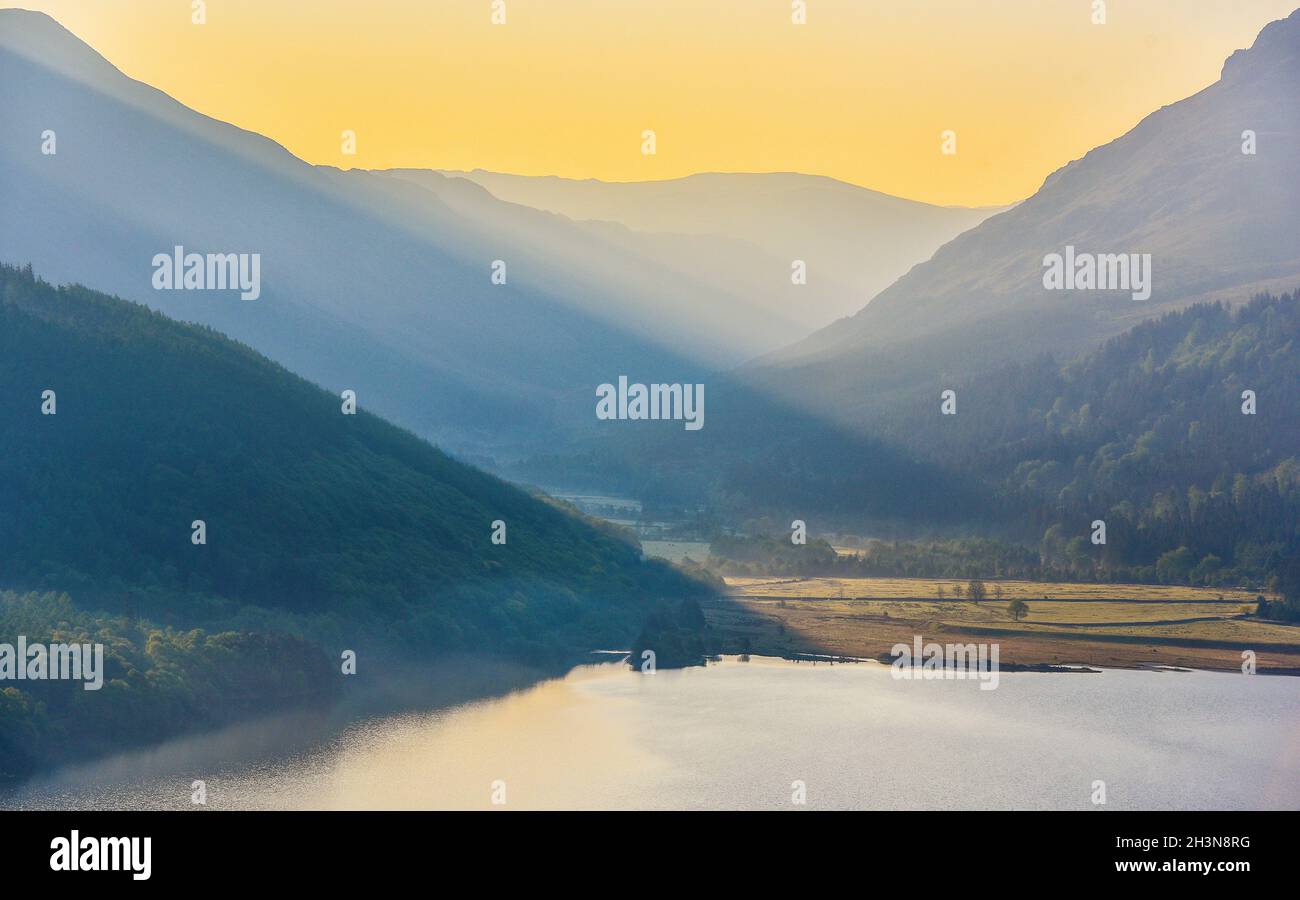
[(338, 529), (309, 510), (1146, 432)]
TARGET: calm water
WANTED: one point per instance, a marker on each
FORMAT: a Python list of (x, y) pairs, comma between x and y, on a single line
[(736, 735)]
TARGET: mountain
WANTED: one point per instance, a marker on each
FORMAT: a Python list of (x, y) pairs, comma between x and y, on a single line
[(1217, 223), (382, 283), (846, 427), (346, 525), (321, 532), (742, 232), (708, 298), (1151, 432), (384, 291)]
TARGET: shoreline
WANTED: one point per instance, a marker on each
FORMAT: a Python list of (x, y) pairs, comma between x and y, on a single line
[(850, 628)]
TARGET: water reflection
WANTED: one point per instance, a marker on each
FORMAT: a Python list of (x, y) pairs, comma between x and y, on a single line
[(737, 735)]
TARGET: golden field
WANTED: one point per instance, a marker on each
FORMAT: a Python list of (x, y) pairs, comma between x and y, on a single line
[(927, 587), (1114, 625)]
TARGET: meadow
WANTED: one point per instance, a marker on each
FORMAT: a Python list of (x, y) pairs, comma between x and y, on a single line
[(1115, 625)]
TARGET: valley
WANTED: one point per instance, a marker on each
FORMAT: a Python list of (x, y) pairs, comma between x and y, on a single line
[(478, 569)]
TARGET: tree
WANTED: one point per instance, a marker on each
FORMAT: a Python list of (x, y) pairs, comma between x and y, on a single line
[(1288, 579), (939, 590), (997, 592), (977, 590), (1174, 566), (1286, 583), (690, 616), (956, 591), (1018, 609)]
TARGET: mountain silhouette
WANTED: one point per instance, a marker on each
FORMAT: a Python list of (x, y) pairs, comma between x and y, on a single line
[(1218, 223)]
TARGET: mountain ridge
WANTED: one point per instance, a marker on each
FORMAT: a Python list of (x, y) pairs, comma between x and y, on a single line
[(1216, 221), (854, 240), (362, 289)]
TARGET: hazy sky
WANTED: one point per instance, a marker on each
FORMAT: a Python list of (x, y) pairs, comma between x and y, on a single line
[(862, 92)]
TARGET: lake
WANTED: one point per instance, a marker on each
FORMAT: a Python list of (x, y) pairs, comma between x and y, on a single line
[(738, 735)]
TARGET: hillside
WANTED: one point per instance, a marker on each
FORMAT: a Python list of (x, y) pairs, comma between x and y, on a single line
[(739, 232), (1218, 223), (323, 532), (307, 510), (1145, 432), (386, 291), (697, 295), (384, 282)]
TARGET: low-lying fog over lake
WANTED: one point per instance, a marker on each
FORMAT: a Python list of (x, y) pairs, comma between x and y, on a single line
[(740, 735)]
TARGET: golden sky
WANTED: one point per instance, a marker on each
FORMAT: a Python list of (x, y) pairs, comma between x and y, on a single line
[(862, 92)]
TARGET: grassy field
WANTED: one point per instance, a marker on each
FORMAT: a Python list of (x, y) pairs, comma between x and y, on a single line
[(929, 588), (1118, 625)]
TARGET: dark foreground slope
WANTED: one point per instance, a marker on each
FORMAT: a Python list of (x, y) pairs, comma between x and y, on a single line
[(340, 529)]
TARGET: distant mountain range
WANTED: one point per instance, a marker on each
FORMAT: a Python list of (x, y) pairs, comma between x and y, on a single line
[(379, 281), (1218, 223), (847, 425), (383, 283), (364, 287), (743, 231)]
